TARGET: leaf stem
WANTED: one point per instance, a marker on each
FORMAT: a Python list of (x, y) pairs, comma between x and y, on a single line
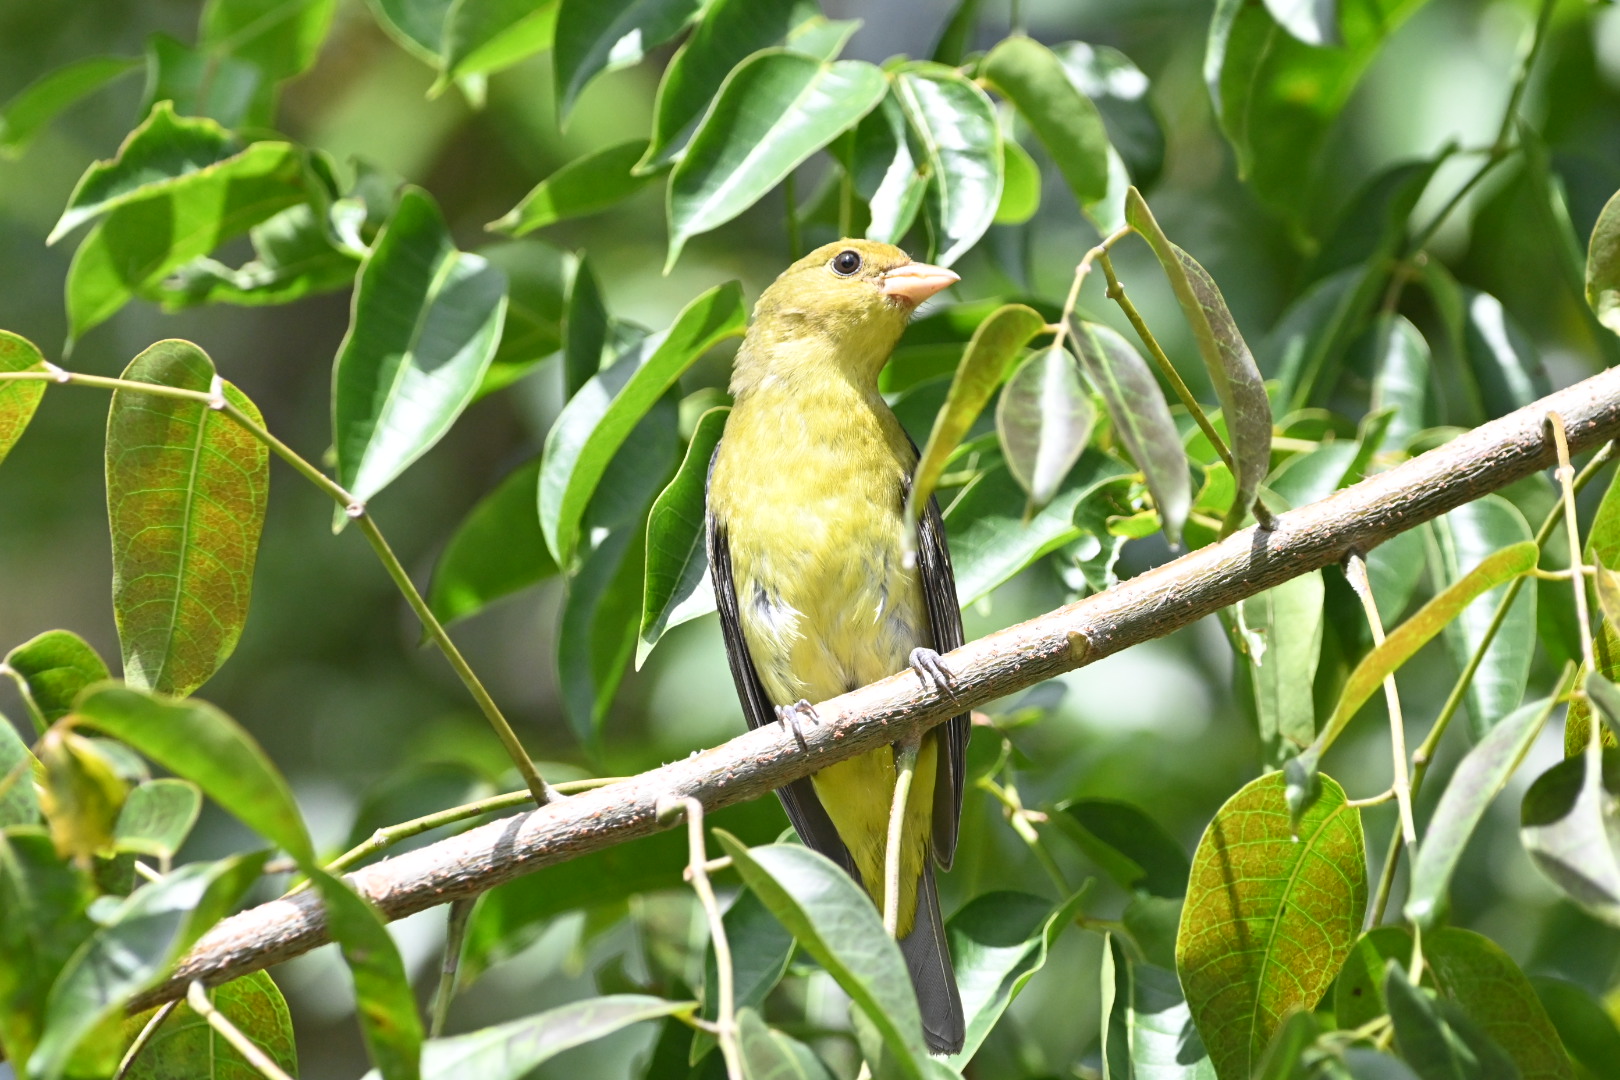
[(725, 1028), (455, 937), (1566, 481), (1081, 270), (905, 765), (145, 1037), (197, 998), (1355, 568)]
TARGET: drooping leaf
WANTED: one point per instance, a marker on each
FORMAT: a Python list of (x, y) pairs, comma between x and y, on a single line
[(1568, 822), (1164, 1043), (595, 35), (836, 923), (133, 949), (497, 550), (1027, 73), (677, 586), (53, 668), (384, 1004), (187, 488), (885, 171), (19, 801), (157, 816), (998, 942), (1578, 720), (426, 322), (1021, 186), (197, 742), (1277, 97), (1140, 416), (768, 1054), (1462, 539), (33, 107), (1504, 361), (484, 36), (773, 111), (585, 185), (1129, 846), (80, 794), (1282, 635), (18, 398), (984, 365), (1480, 776), (597, 420), (45, 900), (1474, 972), (960, 142), (186, 1041), (418, 25), (1271, 913), (1119, 89), (1440, 1042), (1232, 370), (587, 329), (1603, 266), (1044, 418)]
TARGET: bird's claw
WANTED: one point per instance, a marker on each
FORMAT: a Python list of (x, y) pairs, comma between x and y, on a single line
[(931, 669), (789, 715)]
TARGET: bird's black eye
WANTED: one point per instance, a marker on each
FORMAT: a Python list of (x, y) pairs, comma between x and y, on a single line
[(846, 263)]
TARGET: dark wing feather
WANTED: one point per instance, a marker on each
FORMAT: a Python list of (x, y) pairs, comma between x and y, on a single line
[(804, 810)]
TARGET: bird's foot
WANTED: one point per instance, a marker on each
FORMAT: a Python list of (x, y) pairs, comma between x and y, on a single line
[(790, 714), (930, 668)]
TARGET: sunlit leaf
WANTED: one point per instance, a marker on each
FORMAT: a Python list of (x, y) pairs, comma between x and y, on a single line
[(186, 1042), (18, 398), (585, 185), (1129, 846), (53, 668), (1437, 1039), (768, 1054), (482, 36), (1603, 266), (1044, 418), (960, 144), (279, 38), (1474, 972), (495, 551), (1271, 913), (677, 587), (773, 111), (187, 488), (836, 923), (1027, 73), (1479, 778), (33, 108), (1568, 822), (294, 257), (1282, 636), (1578, 720), (1021, 187), (886, 173), (197, 742), (1501, 356), (1402, 379), (1119, 89), (602, 414), (1164, 1043), (1462, 539), (80, 794), (595, 35), (426, 322), (157, 816), (1140, 416), (133, 949)]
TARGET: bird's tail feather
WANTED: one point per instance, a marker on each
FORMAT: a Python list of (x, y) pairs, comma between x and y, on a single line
[(928, 959)]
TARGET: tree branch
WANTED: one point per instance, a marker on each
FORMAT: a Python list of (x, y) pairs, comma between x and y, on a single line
[(1150, 605)]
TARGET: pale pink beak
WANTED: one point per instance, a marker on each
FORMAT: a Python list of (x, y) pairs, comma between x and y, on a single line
[(915, 282)]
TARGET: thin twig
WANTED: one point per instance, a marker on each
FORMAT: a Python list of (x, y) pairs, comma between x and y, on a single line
[(197, 998), (905, 766), (1081, 270), (455, 936), (1566, 477), (147, 1031), (1355, 569), (725, 1027)]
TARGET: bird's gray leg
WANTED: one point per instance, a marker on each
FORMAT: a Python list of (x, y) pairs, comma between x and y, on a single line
[(789, 715), (930, 668)]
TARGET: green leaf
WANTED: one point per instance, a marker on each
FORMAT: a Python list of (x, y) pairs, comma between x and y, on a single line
[(1395, 567), (197, 742), (45, 900), (1129, 846), (19, 801), (1373, 227), (1270, 916), (728, 32), (53, 668), (426, 322), (1588, 1032), (1437, 1039), (586, 329), (187, 488), (33, 108), (418, 25), (157, 816), (998, 942), (495, 551), (837, 924), (989, 354), (1568, 822), (185, 1041), (1021, 187), (1044, 418), (773, 111), (1164, 1043), (594, 35), (885, 173), (1402, 379), (1474, 972), (80, 793), (1284, 1054), (598, 419), (1504, 361), (538, 275), (585, 185), (384, 1003), (767, 1054), (1358, 995), (1308, 341), (1029, 75), (1277, 97), (295, 257), (203, 84), (1281, 631), (18, 398), (760, 950), (1578, 720), (677, 588), (1479, 778), (597, 634), (484, 36), (1232, 371), (1141, 418), (960, 144), (1464, 538), (991, 542), (1119, 89), (1603, 265), (279, 37), (133, 950)]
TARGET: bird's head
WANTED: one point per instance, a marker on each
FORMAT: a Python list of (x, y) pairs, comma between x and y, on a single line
[(845, 303)]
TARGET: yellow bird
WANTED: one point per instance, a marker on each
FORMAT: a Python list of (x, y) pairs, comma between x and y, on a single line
[(805, 510)]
